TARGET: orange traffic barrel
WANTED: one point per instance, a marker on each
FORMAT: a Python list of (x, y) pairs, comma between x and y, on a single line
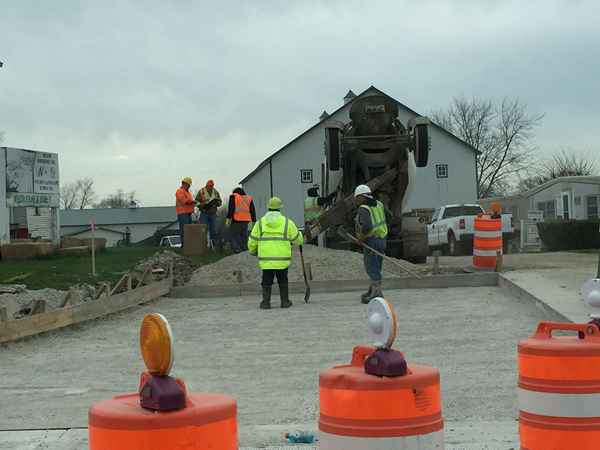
[(559, 388), (207, 421), (486, 242), (361, 411)]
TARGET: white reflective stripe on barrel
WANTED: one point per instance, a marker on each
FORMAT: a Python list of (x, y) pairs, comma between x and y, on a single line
[(488, 234), (431, 441), (477, 252), (559, 405)]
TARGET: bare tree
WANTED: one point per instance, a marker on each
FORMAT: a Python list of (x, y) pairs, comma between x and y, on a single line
[(87, 195), (69, 195), (501, 133), (78, 194), (119, 199), (565, 163), (568, 163)]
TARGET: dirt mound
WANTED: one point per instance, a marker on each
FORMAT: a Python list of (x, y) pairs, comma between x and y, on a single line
[(183, 267), (325, 264)]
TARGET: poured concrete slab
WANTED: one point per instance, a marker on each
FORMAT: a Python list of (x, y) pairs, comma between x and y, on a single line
[(269, 360)]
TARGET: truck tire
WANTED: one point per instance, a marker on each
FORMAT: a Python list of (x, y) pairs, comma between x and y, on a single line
[(421, 145), (418, 259), (454, 248)]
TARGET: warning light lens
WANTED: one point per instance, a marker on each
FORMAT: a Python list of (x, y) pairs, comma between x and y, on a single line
[(156, 344), (382, 323)]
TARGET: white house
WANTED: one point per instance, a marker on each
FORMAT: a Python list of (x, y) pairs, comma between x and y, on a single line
[(450, 176), (561, 198), (113, 223)]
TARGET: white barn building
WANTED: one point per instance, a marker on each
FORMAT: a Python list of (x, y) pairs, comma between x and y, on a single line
[(450, 176)]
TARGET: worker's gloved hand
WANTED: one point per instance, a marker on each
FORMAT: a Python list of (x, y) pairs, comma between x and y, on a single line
[(227, 222)]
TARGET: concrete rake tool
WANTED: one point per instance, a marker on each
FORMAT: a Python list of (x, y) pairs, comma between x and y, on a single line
[(394, 261)]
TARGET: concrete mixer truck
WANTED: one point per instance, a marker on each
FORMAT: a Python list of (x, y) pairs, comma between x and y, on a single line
[(374, 148)]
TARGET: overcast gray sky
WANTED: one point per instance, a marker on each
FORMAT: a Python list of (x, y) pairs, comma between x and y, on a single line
[(137, 95)]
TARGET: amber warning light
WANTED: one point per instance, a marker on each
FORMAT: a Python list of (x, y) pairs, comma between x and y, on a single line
[(158, 390)]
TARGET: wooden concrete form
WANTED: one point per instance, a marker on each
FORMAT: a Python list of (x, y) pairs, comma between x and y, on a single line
[(437, 282), (71, 314)]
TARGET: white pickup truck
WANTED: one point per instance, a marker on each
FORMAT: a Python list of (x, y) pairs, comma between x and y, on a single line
[(452, 228)]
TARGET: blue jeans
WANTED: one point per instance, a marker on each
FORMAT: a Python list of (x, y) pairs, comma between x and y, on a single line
[(183, 219), (211, 221), (373, 262)]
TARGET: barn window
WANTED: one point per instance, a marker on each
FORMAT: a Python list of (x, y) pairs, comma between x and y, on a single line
[(306, 175), (441, 170)]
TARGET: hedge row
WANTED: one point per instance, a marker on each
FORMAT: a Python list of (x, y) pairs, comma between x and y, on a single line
[(570, 234)]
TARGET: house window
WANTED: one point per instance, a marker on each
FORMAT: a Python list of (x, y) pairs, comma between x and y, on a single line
[(548, 208), (441, 170), (306, 176), (592, 207)]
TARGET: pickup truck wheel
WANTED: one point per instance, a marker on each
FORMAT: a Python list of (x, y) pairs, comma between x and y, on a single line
[(453, 248), (418, 260)]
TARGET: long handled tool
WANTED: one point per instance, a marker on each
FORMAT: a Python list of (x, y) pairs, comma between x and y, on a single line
[(307, 292), (385, 257)]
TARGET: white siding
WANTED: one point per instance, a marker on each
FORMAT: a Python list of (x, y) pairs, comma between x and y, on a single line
[(139, 232), (111, 238), (259, 188), (554, 193), (4, 212), (39, 223), (308, 152)]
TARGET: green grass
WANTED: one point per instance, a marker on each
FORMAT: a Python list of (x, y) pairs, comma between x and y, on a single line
[(63, 271)]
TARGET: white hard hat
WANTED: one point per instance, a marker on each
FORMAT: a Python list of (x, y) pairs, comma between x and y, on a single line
[(362, 189)]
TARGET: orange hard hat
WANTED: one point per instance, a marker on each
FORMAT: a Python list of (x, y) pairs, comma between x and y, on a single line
[(496, 207)]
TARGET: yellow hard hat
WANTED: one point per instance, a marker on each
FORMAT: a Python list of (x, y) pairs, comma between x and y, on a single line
[(275, 203), (187, 180)]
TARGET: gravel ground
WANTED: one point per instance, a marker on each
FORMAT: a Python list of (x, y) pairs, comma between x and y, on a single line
[(528, 261), (269, 360), (326, 264), (19, 303)]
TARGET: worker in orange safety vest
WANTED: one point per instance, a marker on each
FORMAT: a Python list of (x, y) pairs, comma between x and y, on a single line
[(184, 205), (240, 213)]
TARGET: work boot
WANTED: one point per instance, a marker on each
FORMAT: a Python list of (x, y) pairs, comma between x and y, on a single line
[(266, 297), (285, 296), (376, 292), (366, 297)]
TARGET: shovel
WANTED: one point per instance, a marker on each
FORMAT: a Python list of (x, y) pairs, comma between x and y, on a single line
[(307, 292)]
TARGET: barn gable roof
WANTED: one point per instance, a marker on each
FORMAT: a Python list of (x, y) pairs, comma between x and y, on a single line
[(366, 91)]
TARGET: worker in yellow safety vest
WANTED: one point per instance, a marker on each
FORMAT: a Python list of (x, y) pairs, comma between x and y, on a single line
[(314, 206), (371, 228), (271, 240), (209, 201)]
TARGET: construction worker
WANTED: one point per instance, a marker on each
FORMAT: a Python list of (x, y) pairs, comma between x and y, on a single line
[(184, 205), (271, 240), (209, 201), (240, 212), (314, 206), (371, 228)]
